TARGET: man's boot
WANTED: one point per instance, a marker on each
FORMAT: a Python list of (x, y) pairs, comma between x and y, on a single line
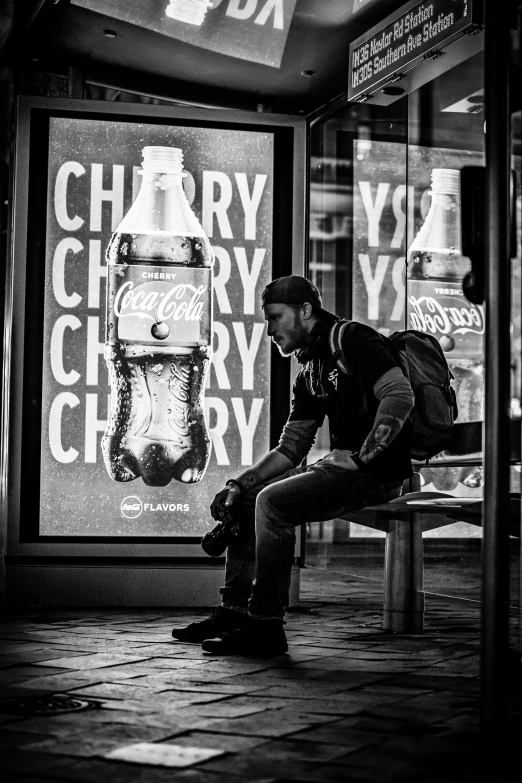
[(259, 639), (220, 620)]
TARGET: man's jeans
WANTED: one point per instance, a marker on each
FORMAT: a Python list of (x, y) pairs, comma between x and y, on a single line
[(259, 559)]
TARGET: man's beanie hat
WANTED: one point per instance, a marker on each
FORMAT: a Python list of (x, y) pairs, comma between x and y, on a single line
[(293, 290)]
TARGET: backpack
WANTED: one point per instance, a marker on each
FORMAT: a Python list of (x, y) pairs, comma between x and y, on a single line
[(422, 361)]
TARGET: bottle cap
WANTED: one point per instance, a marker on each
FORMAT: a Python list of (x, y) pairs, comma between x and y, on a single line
[(445, 181), (168, 160)]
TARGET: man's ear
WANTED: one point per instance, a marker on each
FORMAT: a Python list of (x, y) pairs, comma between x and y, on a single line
[(307, 310)]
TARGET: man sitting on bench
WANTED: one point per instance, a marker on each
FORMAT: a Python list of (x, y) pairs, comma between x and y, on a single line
[(369, 460)]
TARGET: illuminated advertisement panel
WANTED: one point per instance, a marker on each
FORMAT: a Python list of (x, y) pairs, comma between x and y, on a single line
[(94, 177)]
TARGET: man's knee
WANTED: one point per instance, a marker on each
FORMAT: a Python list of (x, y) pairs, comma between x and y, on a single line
[(265, 500), (270, 511)]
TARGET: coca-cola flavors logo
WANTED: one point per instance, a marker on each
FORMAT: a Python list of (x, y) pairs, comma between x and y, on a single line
[(155, 304), (132, 507), (446, 313)]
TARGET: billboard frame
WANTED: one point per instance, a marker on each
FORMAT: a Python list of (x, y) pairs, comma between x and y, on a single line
[(29, 187)]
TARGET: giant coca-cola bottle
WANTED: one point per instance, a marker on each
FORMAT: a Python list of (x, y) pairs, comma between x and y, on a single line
[(159, 328), (436, 305)]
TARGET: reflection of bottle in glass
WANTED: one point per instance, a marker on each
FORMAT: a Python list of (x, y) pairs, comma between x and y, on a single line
[(188, 11), (435, 301), (159, 326), (436, 268), (436, 250)]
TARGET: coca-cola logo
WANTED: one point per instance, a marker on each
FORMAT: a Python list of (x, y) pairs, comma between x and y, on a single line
[(428, 314), (183, 301), (131, 507)]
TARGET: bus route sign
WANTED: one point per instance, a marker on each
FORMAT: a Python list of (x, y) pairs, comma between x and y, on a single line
[(416, 32)]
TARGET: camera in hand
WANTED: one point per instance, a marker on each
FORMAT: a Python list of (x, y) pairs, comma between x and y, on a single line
[(216, 541)]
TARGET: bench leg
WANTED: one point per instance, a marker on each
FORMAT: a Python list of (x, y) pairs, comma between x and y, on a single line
[(404, 578)]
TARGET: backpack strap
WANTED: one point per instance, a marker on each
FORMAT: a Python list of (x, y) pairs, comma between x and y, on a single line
[(335, 340)]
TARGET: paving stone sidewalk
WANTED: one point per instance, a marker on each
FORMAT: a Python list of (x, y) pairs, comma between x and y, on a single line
[(349, 702)]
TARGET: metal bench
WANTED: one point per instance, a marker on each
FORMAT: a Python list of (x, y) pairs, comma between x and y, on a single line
[(406, 518)]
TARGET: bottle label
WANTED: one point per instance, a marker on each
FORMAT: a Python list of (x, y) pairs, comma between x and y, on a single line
[(162, 305), (441, 309)]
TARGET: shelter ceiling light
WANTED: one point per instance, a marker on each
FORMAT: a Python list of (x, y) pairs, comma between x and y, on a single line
[(189, 11), (471, 104)]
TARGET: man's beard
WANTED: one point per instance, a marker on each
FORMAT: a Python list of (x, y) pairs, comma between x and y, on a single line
[(286, 353), (291, 346)]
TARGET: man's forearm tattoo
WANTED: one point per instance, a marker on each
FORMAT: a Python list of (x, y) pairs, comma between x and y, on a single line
[(249, 479), (385, 429)]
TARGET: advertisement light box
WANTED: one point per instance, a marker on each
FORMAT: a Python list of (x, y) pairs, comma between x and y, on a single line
[(83, 184)]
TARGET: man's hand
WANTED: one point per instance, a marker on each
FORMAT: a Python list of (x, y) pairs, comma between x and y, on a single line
[(225, 497)]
